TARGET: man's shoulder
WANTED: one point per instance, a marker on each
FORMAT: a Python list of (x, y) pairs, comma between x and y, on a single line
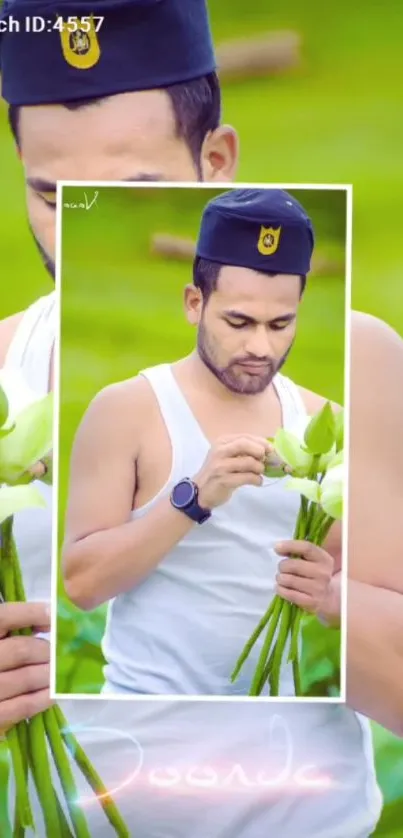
[(314, 402), (377, 393), (8, 328), (372, 337), (123, 402)]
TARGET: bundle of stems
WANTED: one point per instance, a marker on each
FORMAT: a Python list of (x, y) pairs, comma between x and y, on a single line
[(42, 746), (315, 465), (34, 744), (283, 618)]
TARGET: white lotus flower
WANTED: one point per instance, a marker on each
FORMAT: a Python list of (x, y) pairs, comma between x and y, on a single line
[(14, 499), (25, 438), (19, 394), (328, 493), (332, 491), (326, 460), (309, 489), (291, 450)]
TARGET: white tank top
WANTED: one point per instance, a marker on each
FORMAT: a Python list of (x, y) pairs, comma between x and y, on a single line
[(182, 629), (186, 767)]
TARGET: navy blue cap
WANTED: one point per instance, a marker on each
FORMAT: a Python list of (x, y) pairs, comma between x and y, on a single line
[(266, 230), (118, 46)]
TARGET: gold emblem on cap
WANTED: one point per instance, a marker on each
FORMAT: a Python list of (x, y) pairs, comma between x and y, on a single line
[(80, 48), (268, 240)]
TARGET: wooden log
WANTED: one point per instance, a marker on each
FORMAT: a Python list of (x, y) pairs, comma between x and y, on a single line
[(173, 247), (268, 55)]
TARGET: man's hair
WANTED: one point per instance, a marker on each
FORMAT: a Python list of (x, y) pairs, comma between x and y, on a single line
[(196, 106), (206, 275)]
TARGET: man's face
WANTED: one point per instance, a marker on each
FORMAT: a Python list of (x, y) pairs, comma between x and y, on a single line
[(247, 327), (130, 136)]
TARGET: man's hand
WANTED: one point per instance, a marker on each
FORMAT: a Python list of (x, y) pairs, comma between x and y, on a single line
[(233, 461), (38, 470), (24, 663), (308, 581)]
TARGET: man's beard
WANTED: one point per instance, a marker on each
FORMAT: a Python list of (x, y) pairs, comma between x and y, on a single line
[(247, 384), (47, 261)]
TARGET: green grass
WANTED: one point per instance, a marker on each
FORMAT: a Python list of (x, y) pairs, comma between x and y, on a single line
[(337, 118)]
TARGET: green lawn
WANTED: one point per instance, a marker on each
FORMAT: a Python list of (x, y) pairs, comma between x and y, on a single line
[(337, 118)]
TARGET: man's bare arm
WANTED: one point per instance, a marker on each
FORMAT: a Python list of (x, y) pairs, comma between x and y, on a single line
[(375, 564), (105, 552)]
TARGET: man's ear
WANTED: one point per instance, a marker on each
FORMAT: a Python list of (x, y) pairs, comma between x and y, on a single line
[(219, 154), (193, 301)]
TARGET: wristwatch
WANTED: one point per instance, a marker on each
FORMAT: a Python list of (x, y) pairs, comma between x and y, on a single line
[(184, 496)]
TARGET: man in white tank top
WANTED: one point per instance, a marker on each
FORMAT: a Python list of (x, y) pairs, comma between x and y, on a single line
[(76, 142), (191, 768), (200, 553)]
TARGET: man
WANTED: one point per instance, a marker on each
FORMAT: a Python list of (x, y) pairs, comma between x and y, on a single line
[(206, 417), (145, 105), (190, 733)]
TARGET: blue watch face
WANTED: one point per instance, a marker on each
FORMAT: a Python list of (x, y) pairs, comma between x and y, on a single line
[(183, 494)]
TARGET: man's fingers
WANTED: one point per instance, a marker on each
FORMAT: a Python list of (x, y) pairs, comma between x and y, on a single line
[(19, 682), (253, 437), (308, 551), (239, 465), (234, 481), (24, 707), (248, 446), (19, 615), (38, 470), (309, 570), (311, 587), (303, 600), (16, 652)]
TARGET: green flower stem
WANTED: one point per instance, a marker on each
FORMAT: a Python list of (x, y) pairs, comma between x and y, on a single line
[(254, 689), (324, 529), (65, 830), (18, 582), (23, 812), (22, 736), (300, 526), (314, 467), (313, 512), (66, 775), (297, 677), (267, 670), (274, 678), (300, 522), (92, 777), (252, 640), (60, 758), (18, 831), (316, 525), (42, 775), (23, 815), (294, 629)]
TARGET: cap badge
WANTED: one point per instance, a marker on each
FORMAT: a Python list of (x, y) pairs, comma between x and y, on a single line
[(80, 43), (268, 240)]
